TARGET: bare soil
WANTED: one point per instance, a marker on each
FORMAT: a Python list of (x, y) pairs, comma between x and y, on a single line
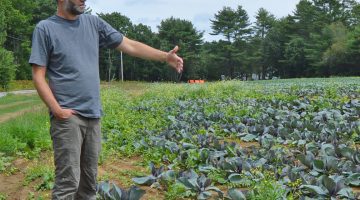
[(242, 143), (121, 166), (16, 104), (12, 185), (8, 116)]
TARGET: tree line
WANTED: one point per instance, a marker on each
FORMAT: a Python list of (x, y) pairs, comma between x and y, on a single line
[(319, 39)]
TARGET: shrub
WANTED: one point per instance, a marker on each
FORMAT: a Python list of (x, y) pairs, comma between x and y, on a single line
[(7, 68)]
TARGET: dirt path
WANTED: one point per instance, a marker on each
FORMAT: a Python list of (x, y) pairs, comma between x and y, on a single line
[(8, 116), (17, 103), (2, 94), (117, 171), (120, 171), (13, 185)]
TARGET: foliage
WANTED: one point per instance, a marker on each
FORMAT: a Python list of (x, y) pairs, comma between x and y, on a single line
[(303, 131), (157, 175), (27, 135), (2, 196), (179, 32), (310, 35), (264, 22), (45, 173), (5, 162), (21, 85), (199, 186), (295, 57), (109, 191), (268, 189), (7, 68), (234, 26), (176, 191)]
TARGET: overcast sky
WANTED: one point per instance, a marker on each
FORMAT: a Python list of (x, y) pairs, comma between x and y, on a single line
[(199, 12)]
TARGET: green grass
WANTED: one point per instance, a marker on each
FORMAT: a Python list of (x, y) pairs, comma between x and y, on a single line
[(2, 196), (20, 85), (28, 134), (24, 105), (125, 176), (43, 172), (11, 98)]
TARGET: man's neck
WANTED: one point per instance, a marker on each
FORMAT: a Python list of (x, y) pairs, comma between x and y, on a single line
[(66, 15)]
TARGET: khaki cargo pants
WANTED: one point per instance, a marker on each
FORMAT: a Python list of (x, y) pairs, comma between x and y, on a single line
[(76, 144)]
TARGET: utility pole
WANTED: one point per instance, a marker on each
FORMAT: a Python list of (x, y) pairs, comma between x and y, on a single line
[(122, 67), (109, 65)]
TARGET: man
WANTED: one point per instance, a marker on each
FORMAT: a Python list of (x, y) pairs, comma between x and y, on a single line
[(66, 48)]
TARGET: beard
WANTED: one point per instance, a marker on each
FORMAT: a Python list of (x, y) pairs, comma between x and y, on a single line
[(73, 9)]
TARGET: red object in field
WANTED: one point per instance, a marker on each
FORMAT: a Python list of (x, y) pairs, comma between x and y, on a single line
[(196, 81)]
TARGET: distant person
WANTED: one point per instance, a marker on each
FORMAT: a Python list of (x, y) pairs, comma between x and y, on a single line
[(65, 48)]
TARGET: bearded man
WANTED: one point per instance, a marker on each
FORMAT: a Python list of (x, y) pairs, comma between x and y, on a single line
[(65, 49)]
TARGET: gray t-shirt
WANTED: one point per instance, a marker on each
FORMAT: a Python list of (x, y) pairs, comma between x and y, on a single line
[(69, 49)]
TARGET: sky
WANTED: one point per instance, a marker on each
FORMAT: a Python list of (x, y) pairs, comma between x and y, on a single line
[(199, 12)]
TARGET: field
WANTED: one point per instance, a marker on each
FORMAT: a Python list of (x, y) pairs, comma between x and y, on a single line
[(291, 139)]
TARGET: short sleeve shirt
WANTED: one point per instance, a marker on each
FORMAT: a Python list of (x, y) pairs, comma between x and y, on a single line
[(69, 49)]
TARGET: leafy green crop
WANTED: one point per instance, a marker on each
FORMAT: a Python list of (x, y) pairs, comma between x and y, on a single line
[(304, 133), (109, 191)]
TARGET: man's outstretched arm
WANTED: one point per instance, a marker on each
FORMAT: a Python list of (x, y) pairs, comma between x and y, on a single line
[(144, 51)]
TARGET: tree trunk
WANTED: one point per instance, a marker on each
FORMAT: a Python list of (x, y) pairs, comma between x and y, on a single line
[(263, 72)]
